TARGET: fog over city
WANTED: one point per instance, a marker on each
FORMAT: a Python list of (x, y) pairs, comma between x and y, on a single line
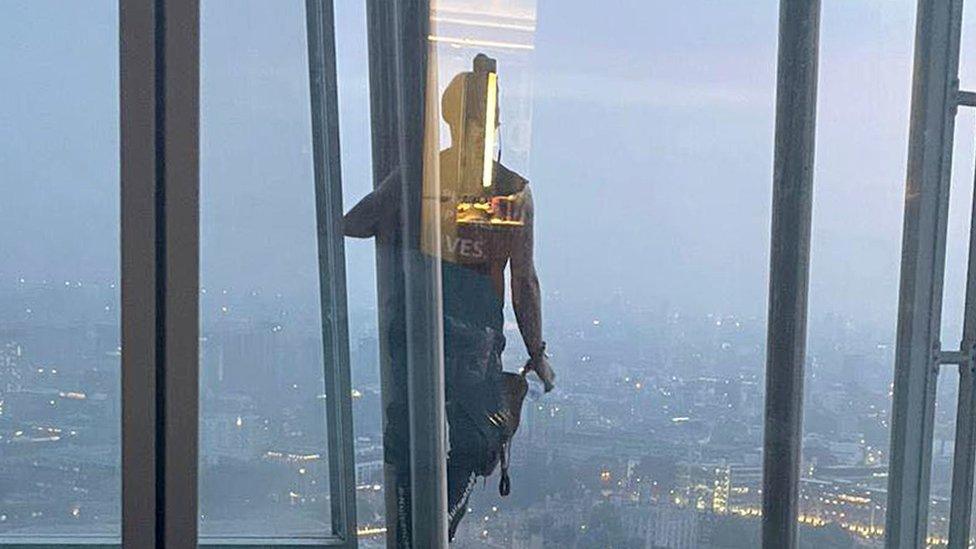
[(655, 127), (646, 130)]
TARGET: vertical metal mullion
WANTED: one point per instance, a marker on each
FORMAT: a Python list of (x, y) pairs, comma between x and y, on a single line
[(964, 451), (384, 129), (407, 282), (181, 291), (332, 266), (159, 241), (422, 288), (922, 270), (796, 114), (137, 91)]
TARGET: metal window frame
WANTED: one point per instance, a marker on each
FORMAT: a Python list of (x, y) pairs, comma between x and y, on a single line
[(789, 271), (323, 83), (422, 285), (918, 353), (964, 451), (159, 143), (72, 542), (384, 128), (159, 239), (406, 277), (422, 288)]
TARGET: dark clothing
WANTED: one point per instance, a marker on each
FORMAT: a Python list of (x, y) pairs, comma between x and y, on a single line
[(470, 297), (473, 321), (473, 345)]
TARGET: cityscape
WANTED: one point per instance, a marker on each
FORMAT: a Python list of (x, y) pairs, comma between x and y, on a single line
[(652, 440), (651, 132)]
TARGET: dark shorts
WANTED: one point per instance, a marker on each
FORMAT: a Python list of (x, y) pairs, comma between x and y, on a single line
[(472, 367)]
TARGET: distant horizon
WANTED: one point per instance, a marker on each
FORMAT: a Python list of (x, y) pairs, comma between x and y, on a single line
[(646, 132), (650, 154)]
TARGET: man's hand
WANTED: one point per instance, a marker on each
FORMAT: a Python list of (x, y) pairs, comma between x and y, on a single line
[(540, 365)]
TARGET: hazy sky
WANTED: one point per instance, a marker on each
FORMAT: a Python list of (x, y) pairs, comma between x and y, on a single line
[(651, 150)]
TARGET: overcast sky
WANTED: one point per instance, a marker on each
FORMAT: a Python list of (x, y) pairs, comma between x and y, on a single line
[(651, 148)]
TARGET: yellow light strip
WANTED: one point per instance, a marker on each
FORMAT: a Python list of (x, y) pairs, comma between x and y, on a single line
[(490, 128), (486, 24), (485, 43), (525, 15)]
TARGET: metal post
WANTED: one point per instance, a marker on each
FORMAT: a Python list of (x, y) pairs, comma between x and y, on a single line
[(389, 265), (159, 116), (796, 102), (323, 93), (964, 451), (408, 282), (923, 263), (422, 286)]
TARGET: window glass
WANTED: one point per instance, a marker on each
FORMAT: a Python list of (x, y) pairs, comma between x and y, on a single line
[(967, 63), (859, 194), (650, 135), (354, 126), (646, 140), (59, 271), (264, 469)]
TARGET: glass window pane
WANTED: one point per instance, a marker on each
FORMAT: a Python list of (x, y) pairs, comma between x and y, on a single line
[(264, 470), (646, 141), (59, 270), (354, 125), (650, 135), (856, 251), (655, 288)]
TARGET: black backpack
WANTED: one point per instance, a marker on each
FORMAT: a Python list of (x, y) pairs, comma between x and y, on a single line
[(485, 402)]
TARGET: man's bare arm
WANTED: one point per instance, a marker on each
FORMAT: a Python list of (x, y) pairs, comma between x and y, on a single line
[(526, 295), (367, 217)]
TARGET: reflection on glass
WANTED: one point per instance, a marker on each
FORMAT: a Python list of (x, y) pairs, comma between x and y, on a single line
[(477, 217), (59, 271), (651, 255), (264, 470), (484, 213)]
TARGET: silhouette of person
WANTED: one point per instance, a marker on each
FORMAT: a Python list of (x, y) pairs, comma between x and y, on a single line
[(486, 224)]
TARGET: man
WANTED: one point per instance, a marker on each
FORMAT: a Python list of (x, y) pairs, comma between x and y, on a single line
[(484, 226)]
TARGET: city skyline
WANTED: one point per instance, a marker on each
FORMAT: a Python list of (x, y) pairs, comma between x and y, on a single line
[(646, 132)]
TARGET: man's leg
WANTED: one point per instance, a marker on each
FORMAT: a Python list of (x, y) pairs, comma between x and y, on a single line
[(396, 447), (404, 515), (461, 479)]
